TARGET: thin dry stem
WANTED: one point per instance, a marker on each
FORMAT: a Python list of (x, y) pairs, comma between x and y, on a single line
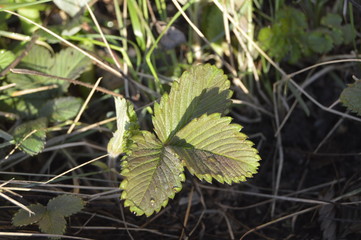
[(84, 106), (73, 81), (79, 166)]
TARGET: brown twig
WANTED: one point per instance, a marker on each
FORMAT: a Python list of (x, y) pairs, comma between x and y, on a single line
[(20, 57)]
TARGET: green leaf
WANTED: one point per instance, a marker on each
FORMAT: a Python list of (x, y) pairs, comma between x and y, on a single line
[(212, 23), (337, 36), (319, 41), (201, 89), (52, 223), (284, 39), (38, 59), (31, 136), (69, 63), (211, 147), (265, 37), (351, 97), (6, 57), (19, 106), (348, 32), (65, 205), (152, 175), (331, 20), (22, 217), (27, 107), (71, 7), (61, 109), (127, 126), (294, 17)]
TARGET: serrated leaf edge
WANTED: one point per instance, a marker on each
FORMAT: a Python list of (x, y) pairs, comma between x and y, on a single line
[(63, 227), (62, 196), (123, 185), (229, 180), (30, 223)]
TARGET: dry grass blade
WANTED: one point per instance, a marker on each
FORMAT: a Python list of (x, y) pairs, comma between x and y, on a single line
[(278, 220), (73, 81), (327, 109), (321, 64), (185, 221), (99, 62), (70, 170), (15, 202), (108, 47), (84, 106), (19, 58), (19, 144), (2, 88), (5, 189), (270, 196), (33, 90), (201, 35), (251, 41), (95, 125)]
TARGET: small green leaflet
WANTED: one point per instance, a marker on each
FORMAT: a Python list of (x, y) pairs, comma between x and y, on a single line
[(351, 97), (22, 217), (213, 31), (30, 136), (61, 109), (331, 20), (320, 41), (153, 174), (52, 223), (6, 57), (69, 69), (211, 147), (190, 132), (65, 205), (202, 89), (51, 219)]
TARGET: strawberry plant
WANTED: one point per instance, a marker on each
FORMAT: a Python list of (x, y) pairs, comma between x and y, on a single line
[(289, 36), (190, 131)]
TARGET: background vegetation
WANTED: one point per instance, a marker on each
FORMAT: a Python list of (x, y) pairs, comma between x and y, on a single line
[(293, 67)]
